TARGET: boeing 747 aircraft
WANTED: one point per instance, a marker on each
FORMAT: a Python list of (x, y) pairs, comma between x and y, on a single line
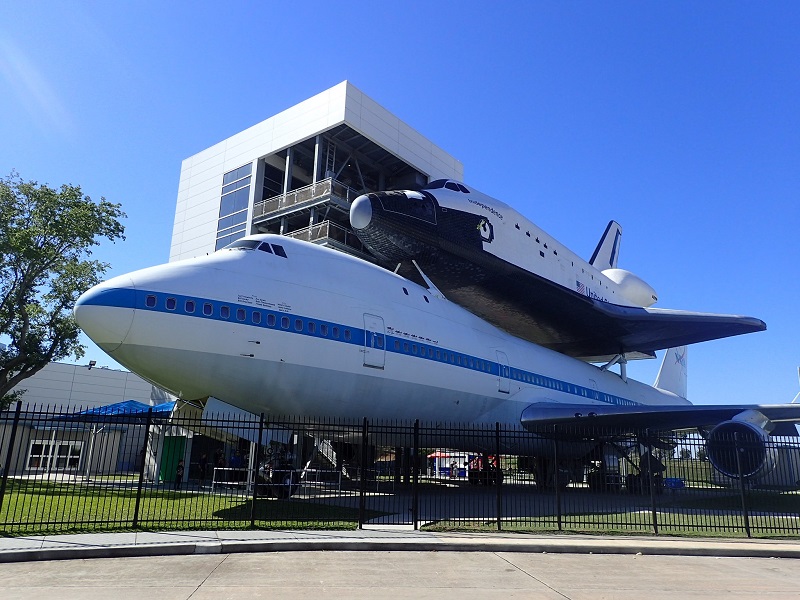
[(272, 324), (485, 256)]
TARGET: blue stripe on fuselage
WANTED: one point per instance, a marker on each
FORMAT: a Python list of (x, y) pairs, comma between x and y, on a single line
[(297, 324)]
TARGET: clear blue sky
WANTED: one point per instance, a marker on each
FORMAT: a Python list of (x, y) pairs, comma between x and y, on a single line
[(681, 120)]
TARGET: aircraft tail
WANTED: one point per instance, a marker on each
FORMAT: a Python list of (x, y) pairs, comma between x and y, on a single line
[(672, 374), (607, 252)]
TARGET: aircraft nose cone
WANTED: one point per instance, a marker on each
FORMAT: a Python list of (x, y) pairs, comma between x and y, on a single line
[(105, 312), (361, 212)]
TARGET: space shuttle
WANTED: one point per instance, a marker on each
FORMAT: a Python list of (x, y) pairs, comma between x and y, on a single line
[(485, 256)]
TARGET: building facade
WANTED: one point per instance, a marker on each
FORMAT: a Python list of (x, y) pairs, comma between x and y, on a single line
[(297, 172)]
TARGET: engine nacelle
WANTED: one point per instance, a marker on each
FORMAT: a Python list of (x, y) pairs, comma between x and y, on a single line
[(632, 287), (748, 435)]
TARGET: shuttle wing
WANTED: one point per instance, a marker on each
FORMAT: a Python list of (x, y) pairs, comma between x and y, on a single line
[(649, 329)]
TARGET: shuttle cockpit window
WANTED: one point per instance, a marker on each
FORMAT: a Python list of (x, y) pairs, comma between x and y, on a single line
[(436, 184), (446, 183)]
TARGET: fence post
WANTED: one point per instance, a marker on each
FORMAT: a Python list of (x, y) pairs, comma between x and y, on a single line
[(745, 513), (652, 479), (143, 467), (415, 478), (11, 440), (556, 478), (255, 471), (498, 475), (362, 492)]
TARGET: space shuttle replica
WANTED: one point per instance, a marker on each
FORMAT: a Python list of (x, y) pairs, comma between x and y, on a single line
[(484, 255)]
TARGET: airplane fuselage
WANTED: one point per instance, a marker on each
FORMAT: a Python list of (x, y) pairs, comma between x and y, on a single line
[(286, 327)]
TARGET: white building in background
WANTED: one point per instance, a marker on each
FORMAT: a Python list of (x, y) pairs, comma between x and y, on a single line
[(297, 172), (74, 387)]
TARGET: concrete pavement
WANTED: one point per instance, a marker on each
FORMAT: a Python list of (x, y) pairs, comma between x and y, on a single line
[(392, 563)]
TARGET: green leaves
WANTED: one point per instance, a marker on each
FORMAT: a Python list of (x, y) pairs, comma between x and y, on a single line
[(46, 239)]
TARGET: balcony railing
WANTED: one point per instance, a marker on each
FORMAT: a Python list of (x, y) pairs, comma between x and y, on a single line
[(310, 194), (328, 231)]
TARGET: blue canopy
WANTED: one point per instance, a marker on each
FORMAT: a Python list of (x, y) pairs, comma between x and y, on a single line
[(122, 410)]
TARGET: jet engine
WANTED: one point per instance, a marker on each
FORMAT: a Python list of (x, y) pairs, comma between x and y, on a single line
[(746, 435), (632, 287)]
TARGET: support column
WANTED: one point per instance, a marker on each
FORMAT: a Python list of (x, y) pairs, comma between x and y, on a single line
[(317, 158), (287, 174)]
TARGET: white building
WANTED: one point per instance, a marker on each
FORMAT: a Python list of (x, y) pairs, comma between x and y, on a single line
[(83, 387), (296, 173)]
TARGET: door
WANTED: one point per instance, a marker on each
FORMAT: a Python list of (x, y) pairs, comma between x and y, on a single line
[(374, 342), (174, 447), (503, 381)]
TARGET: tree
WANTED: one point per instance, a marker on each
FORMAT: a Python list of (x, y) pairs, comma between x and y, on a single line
[(46, 237)]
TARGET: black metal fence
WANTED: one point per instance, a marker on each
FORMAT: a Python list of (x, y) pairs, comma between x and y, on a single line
[(67, 470)]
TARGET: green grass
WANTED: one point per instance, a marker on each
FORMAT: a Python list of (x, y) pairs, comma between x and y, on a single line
[(31, 507)]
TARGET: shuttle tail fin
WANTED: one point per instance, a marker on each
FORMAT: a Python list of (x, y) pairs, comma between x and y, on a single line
[(672, 374), (607, 252)]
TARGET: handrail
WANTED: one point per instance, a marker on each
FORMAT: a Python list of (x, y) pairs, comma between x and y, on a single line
[(320, 189), (328, 230)]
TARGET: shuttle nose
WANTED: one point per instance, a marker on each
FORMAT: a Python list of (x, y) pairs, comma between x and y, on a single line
[(105, 312), (361, 212)]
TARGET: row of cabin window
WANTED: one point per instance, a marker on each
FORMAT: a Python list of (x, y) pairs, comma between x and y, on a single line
[(443, 355), (241, 315)]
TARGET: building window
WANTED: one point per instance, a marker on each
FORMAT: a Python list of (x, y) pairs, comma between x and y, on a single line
[(233, 204), (58, 455)]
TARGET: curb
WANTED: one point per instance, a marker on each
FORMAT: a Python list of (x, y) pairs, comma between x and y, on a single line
[(651, 547)]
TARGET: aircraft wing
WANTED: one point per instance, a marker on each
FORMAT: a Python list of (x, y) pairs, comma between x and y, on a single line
[(555, 317), (540, 415), (649, 329)]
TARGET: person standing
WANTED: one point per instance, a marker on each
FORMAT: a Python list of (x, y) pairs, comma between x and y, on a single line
[(179, 475)]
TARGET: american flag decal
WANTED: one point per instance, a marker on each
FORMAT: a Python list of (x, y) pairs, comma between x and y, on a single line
[(581, 288)]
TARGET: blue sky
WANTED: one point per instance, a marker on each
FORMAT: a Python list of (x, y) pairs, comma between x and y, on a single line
[(678, 119)]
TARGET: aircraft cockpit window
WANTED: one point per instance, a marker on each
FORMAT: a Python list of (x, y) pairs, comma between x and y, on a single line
[(279, 250), (436, 184), (450, 185), (463, 188), (265, 247), (243, 245)]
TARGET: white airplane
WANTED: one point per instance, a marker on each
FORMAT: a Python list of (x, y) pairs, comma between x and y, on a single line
[(272, 324), (485, 256)]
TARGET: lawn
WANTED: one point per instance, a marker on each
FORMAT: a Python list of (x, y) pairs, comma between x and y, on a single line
[(44, 507)]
